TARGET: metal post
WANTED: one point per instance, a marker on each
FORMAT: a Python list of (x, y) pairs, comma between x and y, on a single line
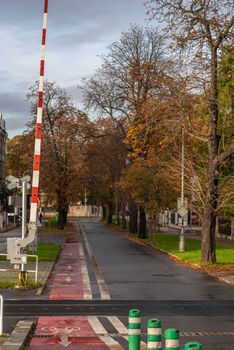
[(36, 271), (1, 315), (23, 273), (116, 206), (134, 329), (182, 239), (85, 201), (24, 207)]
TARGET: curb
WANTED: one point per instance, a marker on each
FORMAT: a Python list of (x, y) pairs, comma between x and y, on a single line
[(44, 279), (19, 336)]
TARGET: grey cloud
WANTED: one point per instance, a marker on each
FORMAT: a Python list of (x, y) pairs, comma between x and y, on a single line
[(15, 112), (75, 92), (67, 13), (78, 32), (15, 125), (12, 103)]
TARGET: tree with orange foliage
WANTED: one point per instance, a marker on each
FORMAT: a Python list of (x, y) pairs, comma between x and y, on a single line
[(200, 29)]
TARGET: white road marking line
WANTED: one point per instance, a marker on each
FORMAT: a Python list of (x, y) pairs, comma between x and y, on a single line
[(98, 328), (105, 295), (120, 327), (85, 276)]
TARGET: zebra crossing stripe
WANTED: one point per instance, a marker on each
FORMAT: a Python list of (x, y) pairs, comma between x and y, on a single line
[(99, 329)]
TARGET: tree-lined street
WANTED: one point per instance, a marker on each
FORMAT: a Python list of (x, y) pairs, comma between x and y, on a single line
[(126, 197)]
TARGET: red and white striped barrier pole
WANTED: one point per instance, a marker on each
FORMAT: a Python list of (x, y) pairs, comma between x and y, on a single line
[(21, 243), (37, 146)]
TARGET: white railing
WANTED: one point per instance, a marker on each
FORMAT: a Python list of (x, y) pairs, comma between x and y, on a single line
[(18, 269)]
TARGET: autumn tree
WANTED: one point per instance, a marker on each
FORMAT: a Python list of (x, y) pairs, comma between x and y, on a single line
[(201, 29), (130, 75), (64, 130), (19, 155), (105, 157)]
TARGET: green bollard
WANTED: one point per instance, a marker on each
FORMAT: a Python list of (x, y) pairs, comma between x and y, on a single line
[(172, 339), (193, 345), (134, 329), (154, 334)]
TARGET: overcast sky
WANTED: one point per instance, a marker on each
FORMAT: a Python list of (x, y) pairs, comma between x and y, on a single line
[(78, 31)]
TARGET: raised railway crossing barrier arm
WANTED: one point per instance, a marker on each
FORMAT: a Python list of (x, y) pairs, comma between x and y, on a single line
[(15, 245)]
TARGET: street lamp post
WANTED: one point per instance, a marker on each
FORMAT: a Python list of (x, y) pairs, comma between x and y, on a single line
[(85, 201), (182, 238), (24, 211)]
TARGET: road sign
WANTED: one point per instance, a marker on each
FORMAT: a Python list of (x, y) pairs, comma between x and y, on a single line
[(181, 203), (182, 212), (12, 182), (26, 178)]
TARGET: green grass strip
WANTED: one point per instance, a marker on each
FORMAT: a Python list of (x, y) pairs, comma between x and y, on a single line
[(47, 251), (170, 244)]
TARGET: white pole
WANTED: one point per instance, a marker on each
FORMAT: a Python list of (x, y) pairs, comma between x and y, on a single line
[(24, 212), (24, 207), (85, 200), (182, 240), (116, 205), (36, 272), (1, 315)]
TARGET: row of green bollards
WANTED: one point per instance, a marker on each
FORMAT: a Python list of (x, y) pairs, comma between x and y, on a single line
[(154, 335)]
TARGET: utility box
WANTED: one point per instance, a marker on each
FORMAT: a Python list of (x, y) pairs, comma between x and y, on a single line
[(13, 252)]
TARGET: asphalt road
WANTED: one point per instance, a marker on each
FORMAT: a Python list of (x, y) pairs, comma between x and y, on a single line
[(132, 271), (180, 297), (211, 308), (128, 276)]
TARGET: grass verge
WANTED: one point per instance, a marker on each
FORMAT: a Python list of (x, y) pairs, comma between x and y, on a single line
[(169, 243), (192, 255), (47, 251), (13, 284)]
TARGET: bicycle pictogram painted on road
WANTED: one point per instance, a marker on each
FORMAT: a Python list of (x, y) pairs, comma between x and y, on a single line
[(65, 330)]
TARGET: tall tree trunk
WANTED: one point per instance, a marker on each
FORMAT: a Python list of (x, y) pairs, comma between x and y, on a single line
[(62, 210), (133, 217), (110, 212), (142, 223), (103, 212), (123, 218), (62, 218), (208, 253), (209, 221)]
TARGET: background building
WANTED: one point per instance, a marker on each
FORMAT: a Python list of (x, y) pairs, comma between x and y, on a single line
[(3, 199)]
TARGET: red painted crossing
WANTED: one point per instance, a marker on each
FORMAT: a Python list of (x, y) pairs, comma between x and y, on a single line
[(58, 332), (68, 278)]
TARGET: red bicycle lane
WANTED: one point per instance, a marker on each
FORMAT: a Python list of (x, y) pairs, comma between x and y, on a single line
[(72, 332)]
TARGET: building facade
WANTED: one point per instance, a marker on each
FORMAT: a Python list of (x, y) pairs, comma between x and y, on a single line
[(3, 138)]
